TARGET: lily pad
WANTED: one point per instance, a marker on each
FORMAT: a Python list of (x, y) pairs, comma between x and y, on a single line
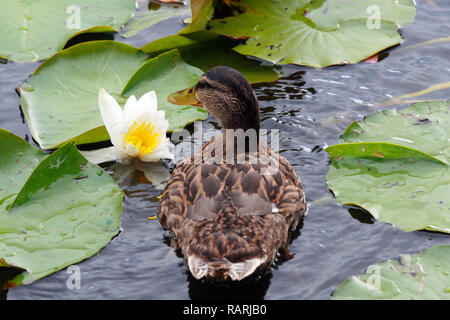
[(206, 49), (412, 277), (202, 11), (331, 12), (316, 33), (60, 100), (394, 164), (55, 210), (145, 18), (423, 126), (35, 30)]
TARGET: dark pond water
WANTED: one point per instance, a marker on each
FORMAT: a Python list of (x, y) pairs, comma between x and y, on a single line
[(311, 108)]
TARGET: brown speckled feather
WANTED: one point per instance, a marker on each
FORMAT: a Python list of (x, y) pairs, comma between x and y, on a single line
[(231, 219)]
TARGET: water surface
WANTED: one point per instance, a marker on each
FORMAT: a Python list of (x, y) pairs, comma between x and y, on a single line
[(311, 108)]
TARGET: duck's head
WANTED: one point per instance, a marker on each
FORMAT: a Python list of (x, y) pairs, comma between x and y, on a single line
[(227, 95)]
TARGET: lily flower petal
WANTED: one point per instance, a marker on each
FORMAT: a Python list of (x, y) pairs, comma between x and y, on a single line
[(131, 150), (162, 151), (100, 155), (129, 111), (148, 101), (111, 114)]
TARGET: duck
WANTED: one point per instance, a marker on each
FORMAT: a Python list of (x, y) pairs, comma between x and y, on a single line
[(231, 206)]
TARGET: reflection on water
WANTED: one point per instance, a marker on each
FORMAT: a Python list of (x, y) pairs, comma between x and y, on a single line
[(311, 108), (361, 215), (84, 37), (254, 288), (7, 274), (290, 87)]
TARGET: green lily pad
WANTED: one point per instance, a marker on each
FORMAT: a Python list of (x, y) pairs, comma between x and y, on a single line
[(413, 277), (394, 164), (206, 49), (202, 11), (167, 73), (316, 33), (421, 126), (145, 18), (330, 13), (60, 100), (55, 210), (35, 30)]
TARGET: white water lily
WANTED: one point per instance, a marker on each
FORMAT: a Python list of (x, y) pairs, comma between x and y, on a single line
[(137, 131)]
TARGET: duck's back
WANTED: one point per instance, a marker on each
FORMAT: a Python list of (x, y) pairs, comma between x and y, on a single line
[(230, 219)]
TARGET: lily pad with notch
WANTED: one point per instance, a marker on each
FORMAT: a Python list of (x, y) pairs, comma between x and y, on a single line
[(395, 165), (315, 33), (410, 277), (153, 14), (206, 49), (35, 30), (55, 210)]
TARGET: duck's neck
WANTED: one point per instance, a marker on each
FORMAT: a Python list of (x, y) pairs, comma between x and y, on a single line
[(245, 118), (242, 115)]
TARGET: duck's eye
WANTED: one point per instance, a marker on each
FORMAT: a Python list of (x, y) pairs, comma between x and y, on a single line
[(204, 84)]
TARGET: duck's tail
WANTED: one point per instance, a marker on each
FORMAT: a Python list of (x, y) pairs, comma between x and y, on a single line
[(223, 268), (232, 243), (233, 251)]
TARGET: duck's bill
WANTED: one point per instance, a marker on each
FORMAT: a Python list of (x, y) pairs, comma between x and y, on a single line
[(184, 97)]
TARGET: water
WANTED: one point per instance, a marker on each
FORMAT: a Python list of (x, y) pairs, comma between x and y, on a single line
[(311, 108)]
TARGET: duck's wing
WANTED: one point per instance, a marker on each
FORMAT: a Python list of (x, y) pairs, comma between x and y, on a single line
[(231, 216)]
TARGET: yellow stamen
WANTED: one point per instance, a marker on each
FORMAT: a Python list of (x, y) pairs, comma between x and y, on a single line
[(143, 137)]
